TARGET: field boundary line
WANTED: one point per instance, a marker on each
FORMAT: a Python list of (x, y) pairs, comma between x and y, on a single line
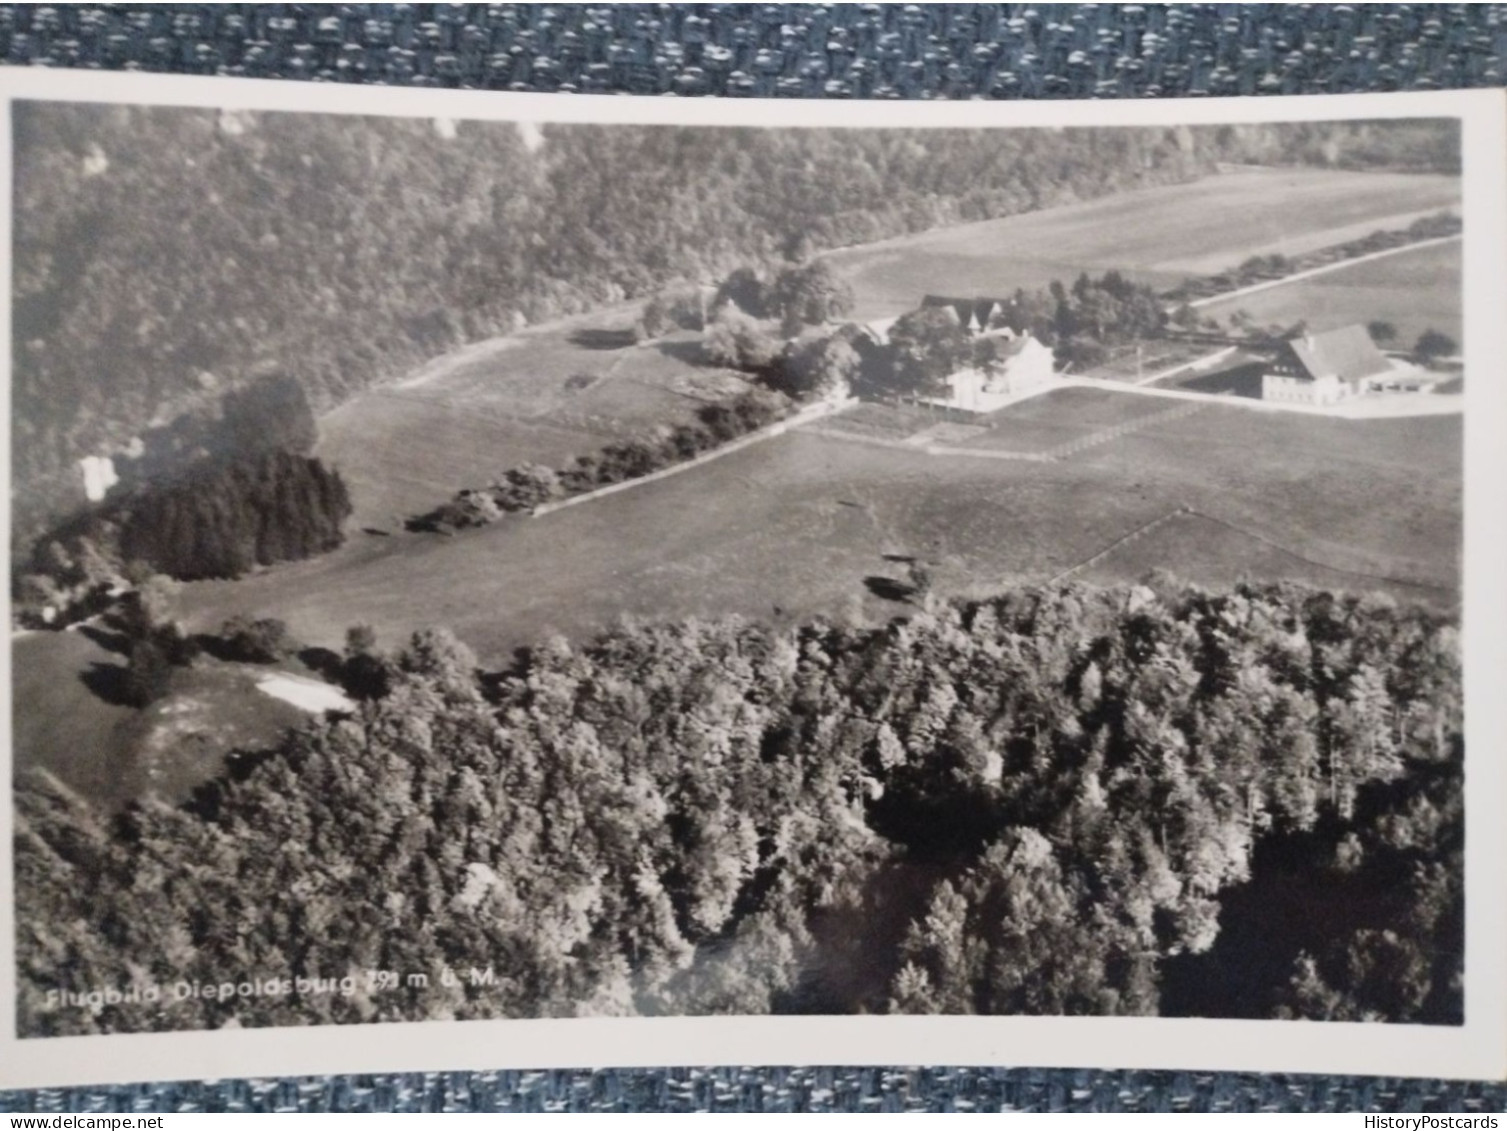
[(1123, 540), (1325, 268), (778, 428), (1413, 581), (1049, 455), (1115, 431), (1185, 510)]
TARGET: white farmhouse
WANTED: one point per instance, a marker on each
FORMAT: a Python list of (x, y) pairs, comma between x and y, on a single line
[(1006, 365)]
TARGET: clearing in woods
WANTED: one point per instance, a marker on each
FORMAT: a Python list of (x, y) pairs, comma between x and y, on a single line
[(77, 728)]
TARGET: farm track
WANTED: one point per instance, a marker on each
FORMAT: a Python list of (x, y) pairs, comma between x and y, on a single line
[(1314, 272)]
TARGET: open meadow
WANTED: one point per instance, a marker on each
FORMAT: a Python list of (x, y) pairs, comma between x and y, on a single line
[(807, 524), (77, 728), (1159, 235), (541, 396), (1414, 289)]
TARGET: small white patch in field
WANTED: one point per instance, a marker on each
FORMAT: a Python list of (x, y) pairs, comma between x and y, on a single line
[(95, 161), (445, 127), (305, 694), (532, 135)]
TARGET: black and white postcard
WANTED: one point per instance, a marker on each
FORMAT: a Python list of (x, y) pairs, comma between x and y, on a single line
[(525, 581)]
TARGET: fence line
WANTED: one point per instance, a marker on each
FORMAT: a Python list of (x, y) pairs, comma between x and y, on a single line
[(1123, 540), (1411, 582)]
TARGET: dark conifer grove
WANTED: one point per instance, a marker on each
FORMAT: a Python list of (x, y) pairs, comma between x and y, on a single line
[(230, 518)]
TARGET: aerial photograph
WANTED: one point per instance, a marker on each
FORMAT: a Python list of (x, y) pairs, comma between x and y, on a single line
[(501, 569)]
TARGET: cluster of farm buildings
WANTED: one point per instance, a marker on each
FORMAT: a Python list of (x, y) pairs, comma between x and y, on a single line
[(1313, 369)]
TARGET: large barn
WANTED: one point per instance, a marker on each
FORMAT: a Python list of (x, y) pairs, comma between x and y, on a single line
[(1320, 369)]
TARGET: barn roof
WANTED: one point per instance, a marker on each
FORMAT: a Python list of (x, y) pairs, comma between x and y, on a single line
[(1347, 353)]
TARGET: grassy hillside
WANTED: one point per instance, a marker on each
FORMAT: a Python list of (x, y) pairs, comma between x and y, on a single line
[(542, 396), (70, 723)]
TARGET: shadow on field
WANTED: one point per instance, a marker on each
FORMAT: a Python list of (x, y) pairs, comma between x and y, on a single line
[(109, 683), (1238, 380), (110, 641), (603, 339), (323, 662), (888, 589)]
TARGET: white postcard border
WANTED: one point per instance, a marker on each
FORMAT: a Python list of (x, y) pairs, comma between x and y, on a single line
[(1476, 1050)]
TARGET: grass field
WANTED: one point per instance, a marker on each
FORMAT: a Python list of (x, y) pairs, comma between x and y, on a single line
[(114, 754), (1191, 546), (1159, 235), (1414, 290), (542, 396), (797, 525), (1063, 416), (61, 726)]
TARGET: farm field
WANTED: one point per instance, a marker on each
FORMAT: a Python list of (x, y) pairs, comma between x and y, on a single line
[(1062, 417), (543, 396), (1414, 290), (1190, 545), (802, 524), (1380, 497), (1158, 235)]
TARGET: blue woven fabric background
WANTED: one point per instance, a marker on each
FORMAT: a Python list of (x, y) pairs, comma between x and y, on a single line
[(788, 50)]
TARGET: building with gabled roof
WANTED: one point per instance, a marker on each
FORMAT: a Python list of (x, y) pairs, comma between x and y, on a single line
[(1323, 368), (1005, 366)]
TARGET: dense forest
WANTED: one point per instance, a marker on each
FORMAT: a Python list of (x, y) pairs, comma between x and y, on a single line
[(163, 256), (1137, 800)]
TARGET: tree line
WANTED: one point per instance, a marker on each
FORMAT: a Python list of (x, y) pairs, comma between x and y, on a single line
[(1058, 800), (523, 488)]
